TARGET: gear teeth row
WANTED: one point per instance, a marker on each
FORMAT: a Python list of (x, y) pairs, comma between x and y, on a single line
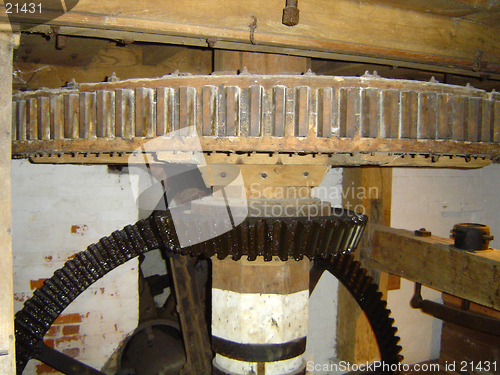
[(276, 237), (320, 111), (354, 278)]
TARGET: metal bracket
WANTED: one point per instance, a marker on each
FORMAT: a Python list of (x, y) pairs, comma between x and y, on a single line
[(460, 317)]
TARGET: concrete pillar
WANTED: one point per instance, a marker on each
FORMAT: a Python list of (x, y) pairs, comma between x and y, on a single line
[(7, 349)]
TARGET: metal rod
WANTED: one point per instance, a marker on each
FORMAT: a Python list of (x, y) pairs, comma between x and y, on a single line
[(459, 317)]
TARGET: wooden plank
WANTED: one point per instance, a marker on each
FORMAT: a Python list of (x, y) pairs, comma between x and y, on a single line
[(283, 175), (38, 49), (432, 261), (340, 160), (393, 68), (154, 54), (472, 352), (475, 308), (348, 27), (259, 63), (7, 357), (490, 17), (449, 8), (125, 61)]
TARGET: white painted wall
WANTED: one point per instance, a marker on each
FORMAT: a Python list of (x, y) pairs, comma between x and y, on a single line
[(57, 211), (436, 199), (321, 343)]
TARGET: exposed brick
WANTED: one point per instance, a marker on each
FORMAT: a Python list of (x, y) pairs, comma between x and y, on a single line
[(49, 343), (70, 330), (73, 352), (68, 318), (53, 331), (43, 369), (47, 200), (35, 284), (66, 339)]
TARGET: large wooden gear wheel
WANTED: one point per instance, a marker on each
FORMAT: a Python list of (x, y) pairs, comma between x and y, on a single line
[(344, 120)]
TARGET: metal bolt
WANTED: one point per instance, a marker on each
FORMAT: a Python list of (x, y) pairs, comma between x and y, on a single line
[(264, 175), (223, 174), (306, 174), (422, 232), (211, 41), (291, 13), (112, 78)]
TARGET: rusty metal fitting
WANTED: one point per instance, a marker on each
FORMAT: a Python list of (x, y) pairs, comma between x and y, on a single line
[(291, 13), (471, 236), (422, 232)]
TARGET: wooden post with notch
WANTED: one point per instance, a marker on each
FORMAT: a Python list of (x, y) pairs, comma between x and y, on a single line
[(367, 190)]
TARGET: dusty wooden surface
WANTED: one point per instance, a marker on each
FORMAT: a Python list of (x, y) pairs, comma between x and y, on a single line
[(40, 64), (345, 27), (259, 63), (433, 262), (463, 346), (467, 9), (7, 352)]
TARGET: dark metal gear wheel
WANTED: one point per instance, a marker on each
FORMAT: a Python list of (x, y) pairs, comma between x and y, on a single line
[(369, 298), (39, 312), (319, 238)]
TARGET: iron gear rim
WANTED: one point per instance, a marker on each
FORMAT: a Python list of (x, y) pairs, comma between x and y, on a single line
[(39, 312)]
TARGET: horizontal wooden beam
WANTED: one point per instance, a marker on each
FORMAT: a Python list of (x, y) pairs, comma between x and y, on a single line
[(449, 8), (335, 160), (435, 262), (343, 27)]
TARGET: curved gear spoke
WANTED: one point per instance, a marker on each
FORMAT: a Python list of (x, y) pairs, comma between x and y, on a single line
[(62, 362)]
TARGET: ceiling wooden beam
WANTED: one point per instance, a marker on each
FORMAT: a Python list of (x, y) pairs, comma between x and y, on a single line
[(344, 27), (449, 8)]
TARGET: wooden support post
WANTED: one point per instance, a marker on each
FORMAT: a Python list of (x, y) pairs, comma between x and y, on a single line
[(7, 351), (192, 317), (367, 190)]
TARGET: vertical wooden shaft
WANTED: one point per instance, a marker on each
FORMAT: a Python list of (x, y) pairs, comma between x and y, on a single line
[(259, 316), (367, 190), (259, 309), (7, 352)]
